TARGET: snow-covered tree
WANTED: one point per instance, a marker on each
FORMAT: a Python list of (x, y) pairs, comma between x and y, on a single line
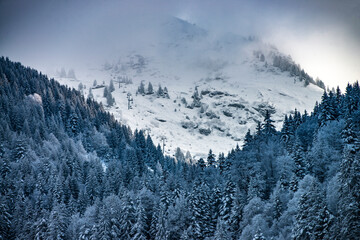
[(211, 161), (111, 86), (141, 88), (150, 89)]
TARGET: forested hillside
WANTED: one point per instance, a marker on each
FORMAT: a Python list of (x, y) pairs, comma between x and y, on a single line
[(69, 170)]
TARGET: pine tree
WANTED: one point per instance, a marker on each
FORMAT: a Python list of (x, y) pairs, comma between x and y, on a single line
[(103, 230), (150, 89), (128, 218), (327, 109), (201, 211), (312, 219), (226, 209), (259, 129), (297, 120), (201, 163), (166, 93), (248, 138), (350, 139), (349, 204), (106, 92), (111, 86), (196, 99), (215, 198), (222, 163), (90, 95), (141, 88), (73, 122), (58, 222), (139, 228), (268, 127), (300, 168), (20, 149), (161, 232), (80, 87), (211, 159), (160, 92), (285, 131), (110, 100), (179, 155)]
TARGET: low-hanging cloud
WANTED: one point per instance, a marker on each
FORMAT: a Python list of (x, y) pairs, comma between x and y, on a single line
[(323, 36)]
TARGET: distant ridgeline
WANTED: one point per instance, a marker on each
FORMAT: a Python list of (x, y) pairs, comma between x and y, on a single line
[(68, 170)]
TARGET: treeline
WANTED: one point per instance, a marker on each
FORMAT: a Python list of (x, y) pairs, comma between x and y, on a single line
[(287, 64), (68, 170), (161, 92)]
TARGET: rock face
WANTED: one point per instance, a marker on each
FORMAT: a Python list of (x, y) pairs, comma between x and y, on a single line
[(206, 91)]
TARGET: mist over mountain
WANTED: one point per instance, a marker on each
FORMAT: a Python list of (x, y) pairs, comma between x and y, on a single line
[(236, 79), (72, 33)]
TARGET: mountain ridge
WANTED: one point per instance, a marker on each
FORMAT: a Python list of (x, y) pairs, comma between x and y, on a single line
[(236, 77)]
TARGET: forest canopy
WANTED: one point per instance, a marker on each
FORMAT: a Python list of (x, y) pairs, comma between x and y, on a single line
[(69, 170)]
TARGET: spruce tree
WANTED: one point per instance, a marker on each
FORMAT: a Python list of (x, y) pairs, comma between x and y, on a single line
[(300, 166), (222, 163), (166, 93), (196, 99), (150, 89), (110, 100), (312, 219), (160, 92), (106, 92), (349, 204), (201, 163), (248, 138), (58, 222), (111, 86), (141, 88), (268, 126), (139, 228), (211, 159), (327, 109), (285, 131), (201, 211), (226, 209)]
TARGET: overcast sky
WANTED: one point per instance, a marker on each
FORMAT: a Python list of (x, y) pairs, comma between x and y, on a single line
[(322, 35)]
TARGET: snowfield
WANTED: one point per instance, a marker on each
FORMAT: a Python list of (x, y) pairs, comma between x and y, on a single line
[(235, 86)]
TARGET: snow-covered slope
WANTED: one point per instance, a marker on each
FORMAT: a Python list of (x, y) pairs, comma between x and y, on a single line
[(233, 75)]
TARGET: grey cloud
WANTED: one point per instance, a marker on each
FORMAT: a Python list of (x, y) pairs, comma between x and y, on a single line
[(65, 31)]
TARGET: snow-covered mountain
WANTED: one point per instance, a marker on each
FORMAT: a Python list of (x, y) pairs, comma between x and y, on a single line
[(218, 86)]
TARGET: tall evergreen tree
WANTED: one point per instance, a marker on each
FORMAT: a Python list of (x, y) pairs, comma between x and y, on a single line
[(313, 219), (141, 88), (160, 92), (201, 211), (226, 209), (268, 127), (349, 204), (211, 159), (150, 89), (111, 86), (327, 109)]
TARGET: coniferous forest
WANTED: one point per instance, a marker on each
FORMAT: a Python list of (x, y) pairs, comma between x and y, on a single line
[(69, 170)]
